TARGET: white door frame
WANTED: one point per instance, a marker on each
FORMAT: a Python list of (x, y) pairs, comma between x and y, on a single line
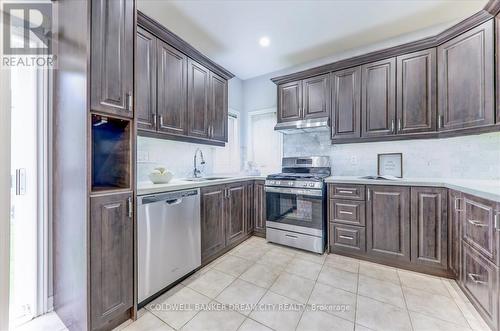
[(4, 197)]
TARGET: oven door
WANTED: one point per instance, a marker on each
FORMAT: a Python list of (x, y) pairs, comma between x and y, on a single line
[(299, 207)]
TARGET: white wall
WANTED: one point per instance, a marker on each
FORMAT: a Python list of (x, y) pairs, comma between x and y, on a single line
[(464, 157)]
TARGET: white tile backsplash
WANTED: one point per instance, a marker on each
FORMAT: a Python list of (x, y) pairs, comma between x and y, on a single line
[(467, 157)]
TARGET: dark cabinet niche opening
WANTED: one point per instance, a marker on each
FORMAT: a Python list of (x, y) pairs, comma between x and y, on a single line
[(110, 153)]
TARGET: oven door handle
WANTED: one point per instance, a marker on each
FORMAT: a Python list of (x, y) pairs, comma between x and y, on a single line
[(295, 191)]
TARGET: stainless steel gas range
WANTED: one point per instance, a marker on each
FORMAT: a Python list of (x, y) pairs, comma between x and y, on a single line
[(296, 203)]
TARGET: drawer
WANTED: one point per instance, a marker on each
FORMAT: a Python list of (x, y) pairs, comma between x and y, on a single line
[(479, 279), (347, 238), (347, 212), (478, 226), (346, 191)]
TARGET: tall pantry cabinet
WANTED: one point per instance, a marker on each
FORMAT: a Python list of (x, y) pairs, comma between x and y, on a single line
[(93, 190)]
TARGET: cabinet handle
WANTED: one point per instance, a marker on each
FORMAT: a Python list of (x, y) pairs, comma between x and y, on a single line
[(399, 125), (291, 236), (368, 194), (345, 212), (130, 101), (457, 202), (392, 126), (477, 223), (161, 121), (474, 278), (346, 237), (440, 121), (346, 192), (497, 222), (154, 120), (130, 207)]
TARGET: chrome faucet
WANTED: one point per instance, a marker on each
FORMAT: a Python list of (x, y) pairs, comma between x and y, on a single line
[(196, 171)]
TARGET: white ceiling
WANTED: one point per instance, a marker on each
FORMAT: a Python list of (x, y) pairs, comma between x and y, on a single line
[(300, 31)]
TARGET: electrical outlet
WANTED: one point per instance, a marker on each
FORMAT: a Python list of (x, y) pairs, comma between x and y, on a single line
[(354, 160)]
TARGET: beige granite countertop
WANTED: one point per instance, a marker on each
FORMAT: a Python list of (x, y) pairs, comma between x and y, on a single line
[(487, 189), (144, 188)]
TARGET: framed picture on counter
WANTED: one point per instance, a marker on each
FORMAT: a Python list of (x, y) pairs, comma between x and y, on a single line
[(390, 164)]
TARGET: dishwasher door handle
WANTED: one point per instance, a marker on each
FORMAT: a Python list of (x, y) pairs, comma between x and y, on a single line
[(174, 202)]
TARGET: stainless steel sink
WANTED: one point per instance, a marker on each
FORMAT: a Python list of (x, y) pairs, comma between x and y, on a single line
[(379, 177), (202, 179)]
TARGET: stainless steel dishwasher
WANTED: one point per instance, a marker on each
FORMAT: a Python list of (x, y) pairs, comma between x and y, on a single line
[(169, 242)]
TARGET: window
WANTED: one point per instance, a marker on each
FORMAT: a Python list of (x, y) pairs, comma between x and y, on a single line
[(227, 159), (264, 144)]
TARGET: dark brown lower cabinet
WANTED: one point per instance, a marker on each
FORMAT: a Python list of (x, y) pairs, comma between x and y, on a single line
[(249, 208), (260, 208), (235, 212), (213, 225), (429, 227), (454, 225), (111, 259), (388, 223), (347, 238)]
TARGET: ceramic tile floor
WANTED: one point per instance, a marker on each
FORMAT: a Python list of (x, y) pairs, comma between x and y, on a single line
[(262, 286)]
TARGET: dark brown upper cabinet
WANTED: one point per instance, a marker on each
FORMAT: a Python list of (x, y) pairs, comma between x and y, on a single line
[(218, 108), (112, 57), (466, 79), (429, 227), (378, 98), (388, 223), (172, 90), (111, 258), (316, 97), (145, 63), (198, 100), (416, 92), (290, 102), (346, 104)]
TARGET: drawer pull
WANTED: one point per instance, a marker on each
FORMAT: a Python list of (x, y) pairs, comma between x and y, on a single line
[(291, 236), (346, 192), (457, 203), (345, 212), (477, 223), (475, 278), (346, 237)]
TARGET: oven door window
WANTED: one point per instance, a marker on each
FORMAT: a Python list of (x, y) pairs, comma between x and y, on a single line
[(300, 210)]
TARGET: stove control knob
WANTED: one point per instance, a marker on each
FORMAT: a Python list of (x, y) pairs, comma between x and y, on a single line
[(311, 184)]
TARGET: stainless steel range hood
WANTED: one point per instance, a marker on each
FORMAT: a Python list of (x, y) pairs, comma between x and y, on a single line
[(310, 125)]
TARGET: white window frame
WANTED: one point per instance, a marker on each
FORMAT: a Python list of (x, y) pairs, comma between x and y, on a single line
[(235, 114), (250, 144)]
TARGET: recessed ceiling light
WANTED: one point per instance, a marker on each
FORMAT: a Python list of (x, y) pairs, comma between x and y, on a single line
[(264, 41)]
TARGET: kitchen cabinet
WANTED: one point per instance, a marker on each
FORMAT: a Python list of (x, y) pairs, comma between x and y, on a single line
[(347, 239), (112, 45), (347, 212), (346, 104), (316, 97), (249, 208), (218, 108), (305, 99), (172, 90), (111, 258), (454, 235), (198, 92), (260, 208), (290, 102), (213, 221), (388, 223), (466, 79), (416, 92), (235, 212), (429, 227), (378, 98), (145, 63)]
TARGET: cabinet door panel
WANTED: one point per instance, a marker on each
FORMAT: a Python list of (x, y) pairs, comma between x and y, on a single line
[(112, 76), (213, 215), (172, 115), (346, 104), (416, 92), (260, 207), (250, 211), (378, 98), (316, 96), (198, 99), (388, 222), (290, 102), (429, 235), (466, 65), (218, 108), (145, 63), (111, 258), (235, 213)]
